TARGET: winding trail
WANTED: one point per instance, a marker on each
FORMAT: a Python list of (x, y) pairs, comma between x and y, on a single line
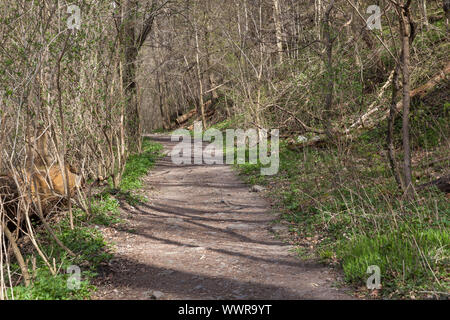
[(204, 235)]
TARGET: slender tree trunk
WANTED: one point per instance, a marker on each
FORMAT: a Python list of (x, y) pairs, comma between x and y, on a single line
[(161, 101), (390, 131), (200, 82), (63, 165), (208, 45), (129, 56), (424, 12), (405, 30), (17, 253), (276, 17), (446, 7), (329, 65), (318, 15), (131, 42)]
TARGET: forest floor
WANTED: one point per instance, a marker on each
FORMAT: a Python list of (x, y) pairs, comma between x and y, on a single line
[(203, 234)]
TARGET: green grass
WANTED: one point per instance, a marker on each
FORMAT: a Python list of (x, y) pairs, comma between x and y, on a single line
[(105, 210), (407, 258), (138, 165), (351, 203), (91, 250), (50, 287)]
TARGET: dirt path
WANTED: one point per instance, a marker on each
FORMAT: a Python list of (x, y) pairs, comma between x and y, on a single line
[(204, 235)]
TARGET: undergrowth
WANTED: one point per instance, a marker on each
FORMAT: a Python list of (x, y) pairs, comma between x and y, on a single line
[(85, 240), (346, 199)]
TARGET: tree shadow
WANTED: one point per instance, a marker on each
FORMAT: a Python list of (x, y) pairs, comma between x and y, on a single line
[(135, 279)]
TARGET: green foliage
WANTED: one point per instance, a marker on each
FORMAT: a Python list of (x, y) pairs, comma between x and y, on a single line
[(90, 249), (138, 165), (350, 204), (404, 256), (86, 242), (49, 287), (226, 124), (105, 210)]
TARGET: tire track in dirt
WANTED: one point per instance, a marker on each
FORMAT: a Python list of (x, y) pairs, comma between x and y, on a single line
[(204, 235)]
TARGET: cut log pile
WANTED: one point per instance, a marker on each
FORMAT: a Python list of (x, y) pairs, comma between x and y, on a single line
[(209, 111), (185, 117), (45, 192)]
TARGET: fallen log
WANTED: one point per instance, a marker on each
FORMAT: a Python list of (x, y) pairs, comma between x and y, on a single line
[(45, 192), (363, 122), (442, 184), (185, 117), (419, 92), (41, 189)]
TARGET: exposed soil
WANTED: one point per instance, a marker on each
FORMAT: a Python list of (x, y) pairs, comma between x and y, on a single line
[(204, 234)]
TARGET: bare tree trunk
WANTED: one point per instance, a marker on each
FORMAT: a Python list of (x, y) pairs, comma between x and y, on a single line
[(276, 18), (329, 65), (424, 12), (166, 104), (161, 101), (64, 171), (131, 42), (405, 31), (129, 56), (390, 131), (211, 77), (17, 253), (318, 15), (123, 150), (199, 75), (446, 7)]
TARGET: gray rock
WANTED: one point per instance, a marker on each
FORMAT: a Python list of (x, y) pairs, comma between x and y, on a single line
[(155, 294), (257, 188), (175, 221), (221, 214), (239, 226), (279, 229)]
